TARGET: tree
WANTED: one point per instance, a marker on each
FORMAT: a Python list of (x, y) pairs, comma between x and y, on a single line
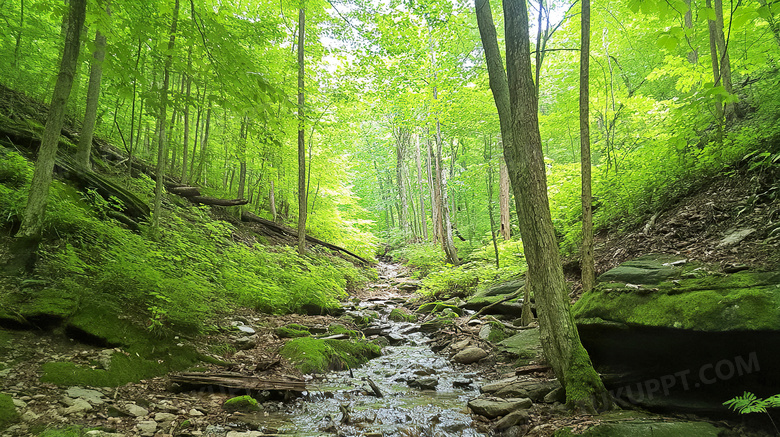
[(525, 163), (162, 145), (32, 221), (587, 260), (302, 200), (84, 148), (503, 199)]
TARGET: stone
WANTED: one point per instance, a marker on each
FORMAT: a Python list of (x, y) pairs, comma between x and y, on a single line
[(735, 237), (195, 413), (136, 410), (30, 416), (653, 429), (470, 355), (484, 331), (164, 417), (146, 428), (462, 383), (512, 419), (98, 433), (244, 434), (246, 329), (517, 387), (557, 395), (241, 403), (18, 403), (423, 383), (79, 407), (460, 345), (491, 295), (94, 397), (494, 407), (244, 343)]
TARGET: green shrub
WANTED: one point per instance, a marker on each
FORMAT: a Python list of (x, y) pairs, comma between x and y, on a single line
[(424, 258)]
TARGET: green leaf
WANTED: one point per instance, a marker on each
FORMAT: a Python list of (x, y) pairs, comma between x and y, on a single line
[(764, 12)]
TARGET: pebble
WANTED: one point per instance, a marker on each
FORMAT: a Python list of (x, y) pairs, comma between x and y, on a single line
[(195, 413), (164, 417), (136, 410), (80, 406), (147, 428)]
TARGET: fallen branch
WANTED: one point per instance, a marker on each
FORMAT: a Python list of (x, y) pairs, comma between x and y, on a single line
[(487, 307), (237, 381), (206, 200), (374, 387)]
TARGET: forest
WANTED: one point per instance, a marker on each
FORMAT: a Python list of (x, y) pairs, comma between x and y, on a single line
[(154, 154)]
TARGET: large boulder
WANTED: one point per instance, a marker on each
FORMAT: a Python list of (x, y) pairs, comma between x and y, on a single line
[(675, 335), (524, 346)]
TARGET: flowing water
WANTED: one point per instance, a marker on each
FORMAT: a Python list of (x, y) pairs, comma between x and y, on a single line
[(344, 403)]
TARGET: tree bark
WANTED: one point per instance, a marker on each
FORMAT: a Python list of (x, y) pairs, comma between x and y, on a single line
[(242, 157), (713, 34), (302, 200), (423, 222), (725, 63), (488, 156), (587, 261), (525, 164), (503, 199), (185, 143), (162, 149), (272, 200), (693, 55), (32, 220), (401, 135)]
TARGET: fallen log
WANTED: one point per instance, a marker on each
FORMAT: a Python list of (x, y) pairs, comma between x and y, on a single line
[(213, 201), (185, 191), (237, 381), (288, 231)]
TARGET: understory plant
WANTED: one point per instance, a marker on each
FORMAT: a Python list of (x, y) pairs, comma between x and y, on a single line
[(750, 403)]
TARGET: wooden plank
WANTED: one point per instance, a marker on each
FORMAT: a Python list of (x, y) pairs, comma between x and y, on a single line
[(237, 381)]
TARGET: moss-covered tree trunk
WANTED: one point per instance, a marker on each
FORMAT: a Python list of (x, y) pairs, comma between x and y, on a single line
[(32, 221), (525, 163)]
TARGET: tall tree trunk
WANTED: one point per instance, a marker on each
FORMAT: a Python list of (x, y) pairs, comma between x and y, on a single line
[(272, 200), (162, 151), (18, 45), (32, 220), (488, 156), (525, 163), (302, 201), (423, 222), (242, 157), (401, 135), (185, 144), (84, 148), (503, 199), (693, 55), (713, 34), (587, 262), (723, 53), (204, 144), (435, 205)]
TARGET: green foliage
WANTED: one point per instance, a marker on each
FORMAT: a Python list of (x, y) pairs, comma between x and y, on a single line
[(8, 414), (15, 175), (438, 307), (424, 258), (241, 403), (750, 403)]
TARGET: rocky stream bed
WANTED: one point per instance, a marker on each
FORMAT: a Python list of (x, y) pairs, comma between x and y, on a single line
[(439, 375)]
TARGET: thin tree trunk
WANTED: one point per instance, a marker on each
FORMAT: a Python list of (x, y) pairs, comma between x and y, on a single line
[(503, 199), (18, 45), (302, 201), (204, 144), (488, 155), (725, 63), (162, 152), (84, 149), (713, 33), (693, 55), (242, 157), (587, 262), (401, 135), (435, 206), (423, 222), (32, 220), (272, 200), (185, 145)]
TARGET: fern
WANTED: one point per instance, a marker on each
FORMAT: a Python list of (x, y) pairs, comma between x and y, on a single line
[(750, 403)]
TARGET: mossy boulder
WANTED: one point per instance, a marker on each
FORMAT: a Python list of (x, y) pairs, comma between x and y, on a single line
[(312, 355), (401, 315), (495, 293), (662, 291), (241, 403), (523, 346), (292, 330), (8, 413), (438, 307)]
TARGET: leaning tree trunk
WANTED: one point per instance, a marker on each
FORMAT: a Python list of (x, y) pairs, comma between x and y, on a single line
[(84, 148), (162, 149), (302, 200), (587, 260), (525, 163), (32, 220)]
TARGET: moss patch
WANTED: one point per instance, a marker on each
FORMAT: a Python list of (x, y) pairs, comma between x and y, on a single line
[(642, 428), (312, 355), (497, 333), (400, 315), (336, 329), (742, 301), (8, 414), (293, 330), (438, 307), (524, 346), (241, 403)]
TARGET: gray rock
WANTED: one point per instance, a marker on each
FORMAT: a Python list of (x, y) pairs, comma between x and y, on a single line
[(645, 428), (557, 395), (460, 345), (79, 407), (146, 428), (94, 397), (164, 417), (246, 329), (470, 355), (526, 344), (195, 413), (462, 383), (514, 418), (517, 387), (136, 410), (494, 407), (30, 416), (98, 433), (423, 383), (244, 434), (215, 431), (18, 403), (244, 343), (735, 237)]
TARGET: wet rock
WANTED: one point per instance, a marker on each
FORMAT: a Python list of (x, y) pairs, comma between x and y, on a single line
[(136, 410), (525, 345), (494, 407), (246, 329), (462, 383), (512, 419), (423, 383), (244, 434), (494, 294), (431, 326), (94, 397), (215, 431), (394, 339), (557, 395), (518, 387), (470, 355), (146, 428)]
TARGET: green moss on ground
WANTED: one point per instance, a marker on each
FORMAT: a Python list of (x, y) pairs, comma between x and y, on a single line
[(8, 413), (293, 330), (742, 301), (69, 431), (311, 355), (438, 307), (401, 315), (336, 329), (241, 403), (497, 333)]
